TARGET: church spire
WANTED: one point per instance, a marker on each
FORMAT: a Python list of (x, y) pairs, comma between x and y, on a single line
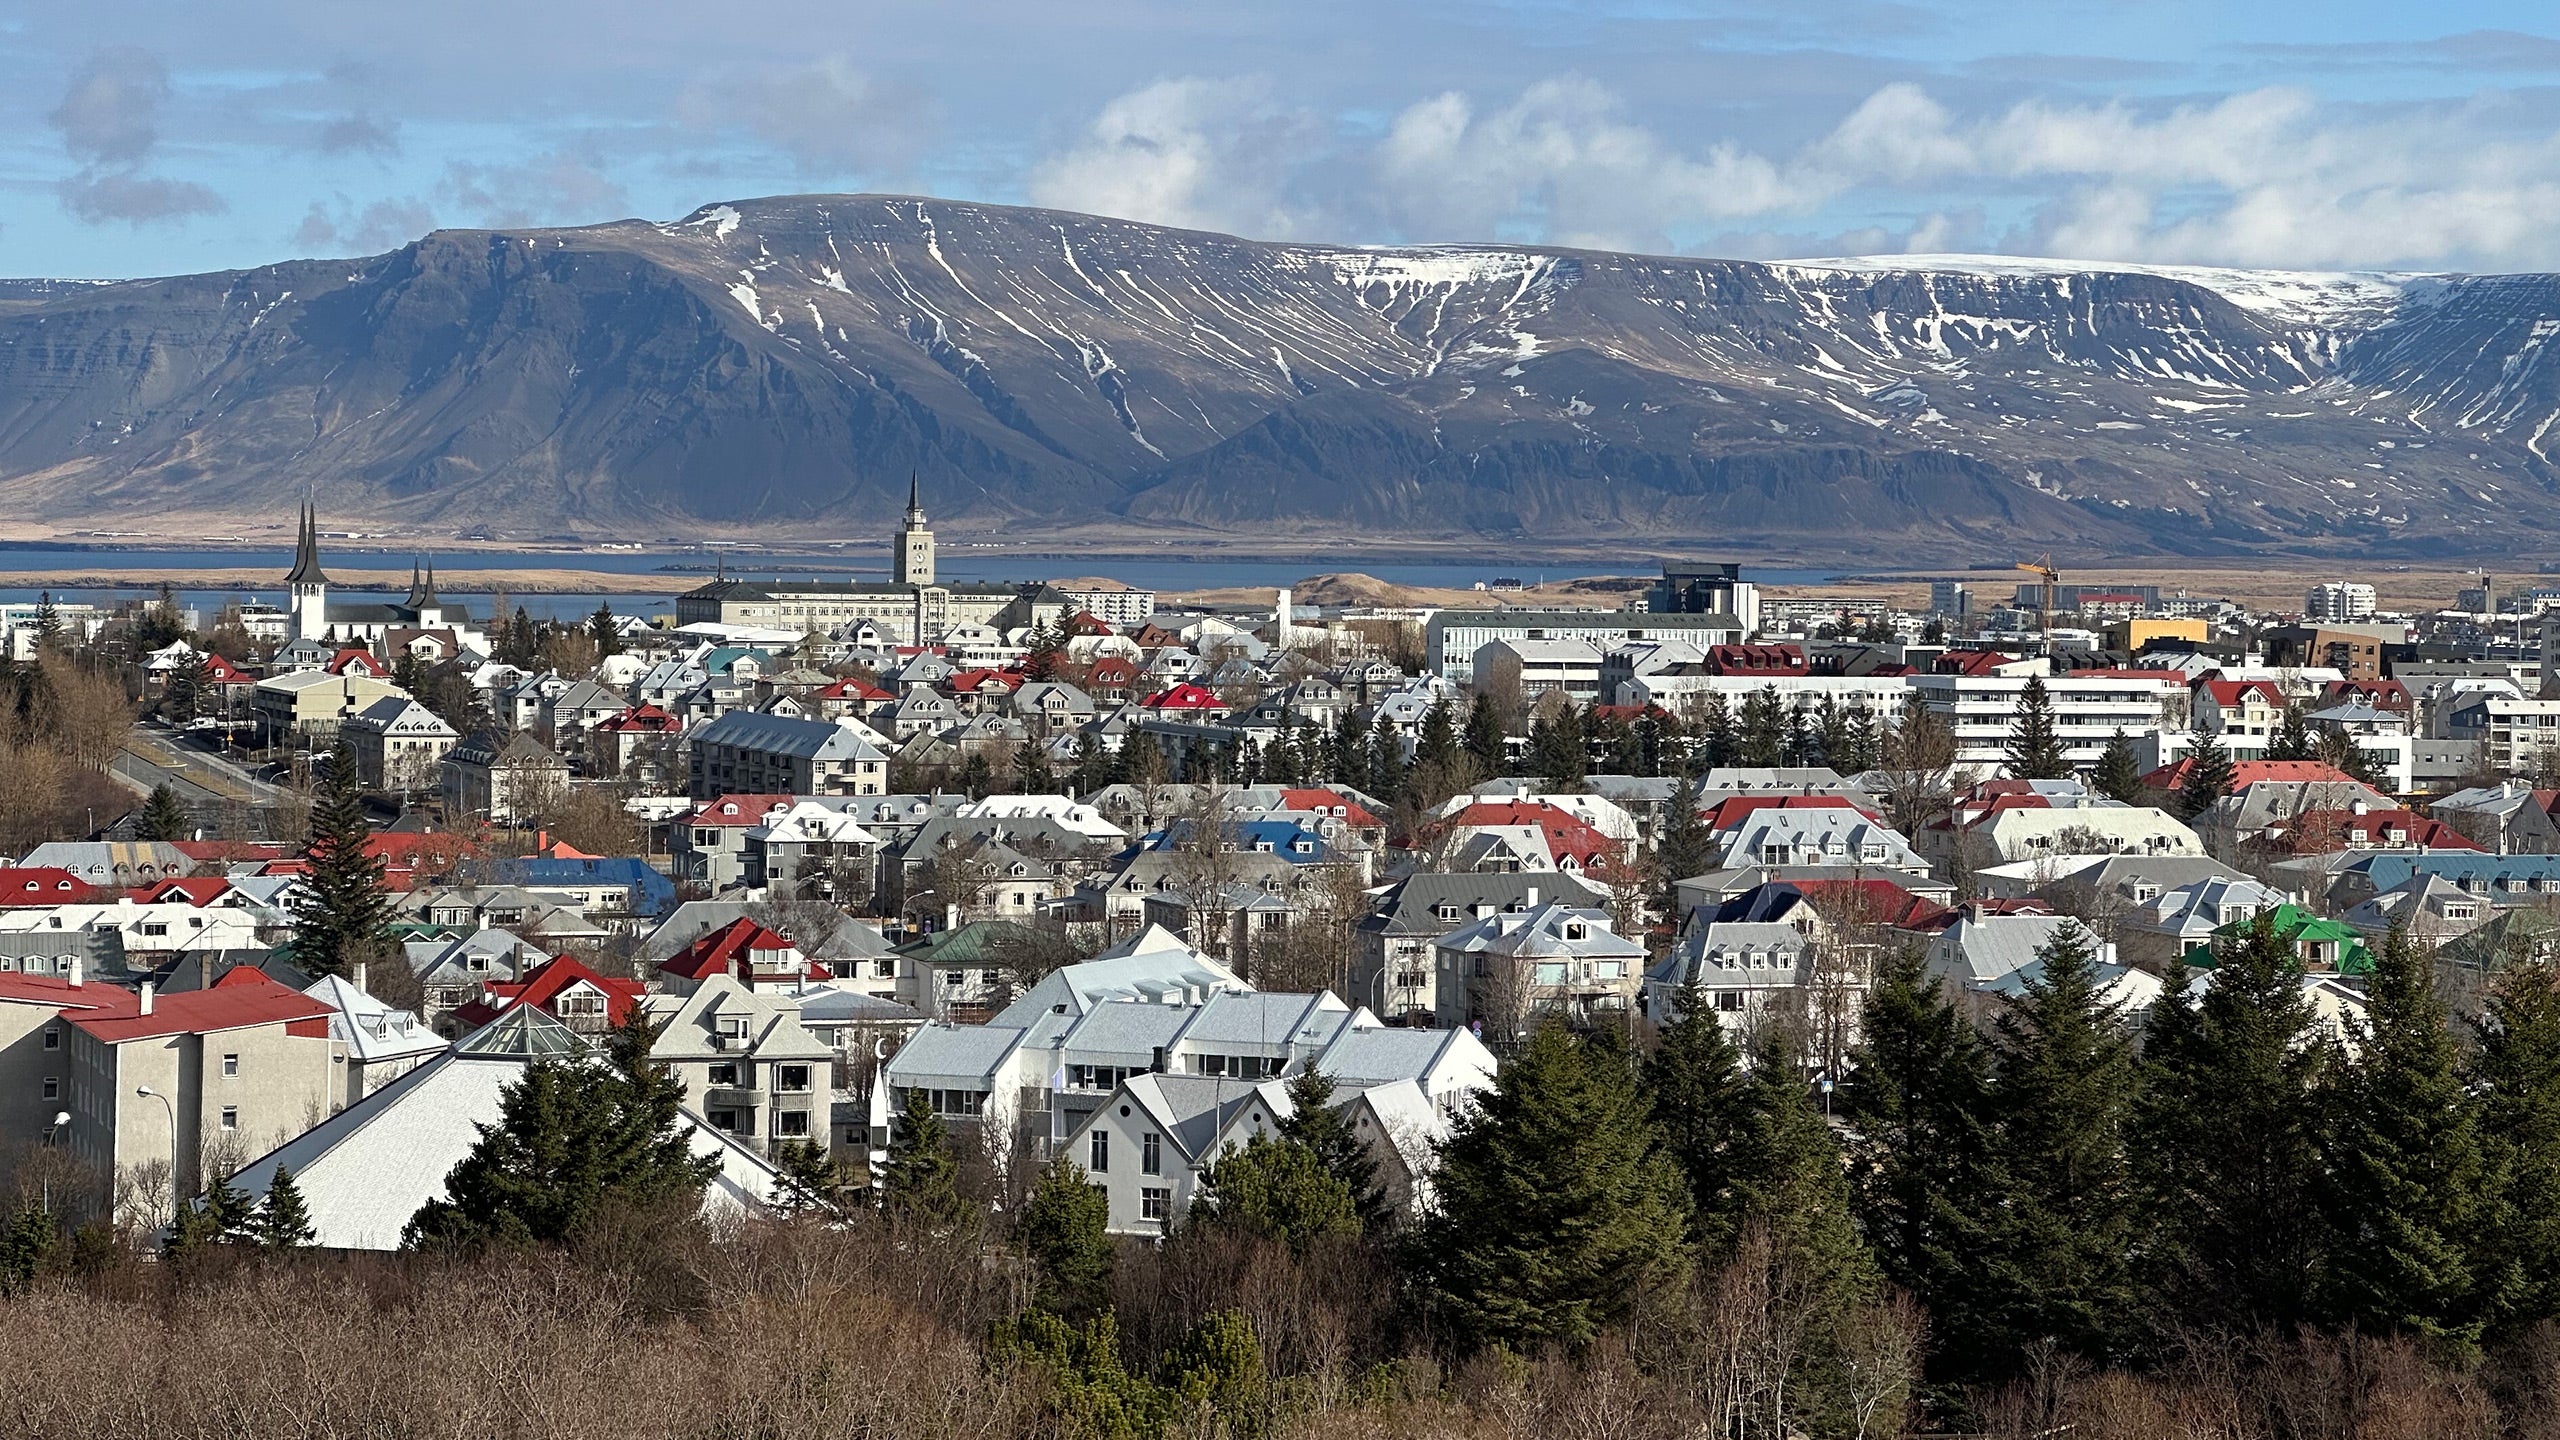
[(427, 592), (306, 551)]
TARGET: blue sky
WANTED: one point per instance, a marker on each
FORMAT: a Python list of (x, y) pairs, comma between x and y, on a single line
[(152, 136)]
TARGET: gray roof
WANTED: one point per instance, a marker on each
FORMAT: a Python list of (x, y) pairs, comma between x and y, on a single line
[(694, 919), (1193, 1109), (1409, 908), (782, 735), (1977, 950)]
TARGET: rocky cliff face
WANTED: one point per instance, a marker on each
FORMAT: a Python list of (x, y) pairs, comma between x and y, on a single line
[(790, 361)]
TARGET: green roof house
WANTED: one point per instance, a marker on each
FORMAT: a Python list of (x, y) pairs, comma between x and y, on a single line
[(2320, 945)]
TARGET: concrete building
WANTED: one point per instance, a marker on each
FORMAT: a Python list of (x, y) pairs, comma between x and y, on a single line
[(749, 1068), (1508, 969), (2339, 600), (1453, 637), (507, 778), (312, 704), (1572, 666), (399, 744), (2087, 710)]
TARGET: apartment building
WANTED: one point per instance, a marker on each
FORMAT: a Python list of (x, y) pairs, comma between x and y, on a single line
[(2088, 708), (750, 1069), (744, 751)]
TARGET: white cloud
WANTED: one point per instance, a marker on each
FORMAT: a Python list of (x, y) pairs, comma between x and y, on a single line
[(1197, 153), (109, 120), (829, 116)]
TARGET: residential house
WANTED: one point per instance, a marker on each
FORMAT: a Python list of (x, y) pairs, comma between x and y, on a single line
[(1393, 969), (365, 1171), (399, 744), (1507, 969), (561, 988), (767, 754), (506, 778), (749, 1068), (377, 1043)]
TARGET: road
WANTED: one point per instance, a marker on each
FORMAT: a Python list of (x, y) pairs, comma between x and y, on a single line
[(153, 756)]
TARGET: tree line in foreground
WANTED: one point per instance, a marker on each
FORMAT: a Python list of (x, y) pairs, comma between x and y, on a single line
[(2225, 1220)]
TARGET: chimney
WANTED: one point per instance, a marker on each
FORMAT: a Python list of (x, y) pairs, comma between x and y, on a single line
[(1531, 899), (360, 977), (150, 992), (75, 971)]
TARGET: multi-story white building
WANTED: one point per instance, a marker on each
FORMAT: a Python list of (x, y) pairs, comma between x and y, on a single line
[(1116, 607), (1572, 666), (2087, 709), (2517, 734), (1453, 637), (2339, 600)]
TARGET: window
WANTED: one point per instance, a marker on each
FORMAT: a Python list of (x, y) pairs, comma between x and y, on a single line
[(52, 1087), (1729, 1000), (230, 1117), (724, 1120), (53, 1039), (1154, 1204), (155, 927), (792, 1123), (884, 969), (1151, 1154), (1099, 1162), (230, 1067), (791, 1078), (725, 1074)]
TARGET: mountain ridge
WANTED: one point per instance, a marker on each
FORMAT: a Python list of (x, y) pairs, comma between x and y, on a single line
[(789, 361)]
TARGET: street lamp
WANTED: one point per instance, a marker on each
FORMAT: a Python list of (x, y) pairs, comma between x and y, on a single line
[(60, 1119), (149, 1093)]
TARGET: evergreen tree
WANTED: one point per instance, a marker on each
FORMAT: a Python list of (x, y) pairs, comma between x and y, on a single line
[(1558, 1210), (576, 1140), (2063, 1059), (1760, 736), (2292, 740), (188, 691), (1556, 751), (1436, 745), (230, 1218), (2412, 1193), (604, 632), (1935, 632), (2208, 777), (2118, 775), (1684, 847), (1277, 1189), (1718, 745), (1351, 751), (812, 1183), (1695, 1084), (341, 910), (283, 1221), (1483, 740), (1032, 773), (2034, 749), (1045, 649), (51, 639), (922, 1183), (28, 1240), (1862, 745), (1918, 1099), (2518, 1075), (1064, 1234), (2228, 1155), (1315, 1123), (164, 815)]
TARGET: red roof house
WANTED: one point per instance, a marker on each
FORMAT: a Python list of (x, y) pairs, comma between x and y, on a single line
[(25, 885), (562, 989), (743, 950)]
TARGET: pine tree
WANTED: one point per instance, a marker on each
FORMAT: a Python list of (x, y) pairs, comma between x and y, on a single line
[(1695, 1084), (1315, 1123), (1032, 773), (2118, 775), (283, 1221), (577, 1140), (922, 1183), (1760, 736), (1279, 1190), (1557, 754), (2208, 777), (1436, 745), (1682, 848), (2227, 1154), (341, 910), (187, 691), (1558, 1210), (2292, 740), (164, 815), (230, 1218), (2518, 1074), (2065, 1229), (1064, 1233), (1043, 650), (602, 630), (1717, 743), (2034, 749), (1483, 740), (51, 639), (812, 1183), (1918, 1101), (2410, 1186)]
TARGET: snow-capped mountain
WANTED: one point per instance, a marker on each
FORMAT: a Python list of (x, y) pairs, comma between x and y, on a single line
[(791, 360)]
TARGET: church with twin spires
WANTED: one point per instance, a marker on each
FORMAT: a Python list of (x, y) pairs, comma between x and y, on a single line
[(418, 620)]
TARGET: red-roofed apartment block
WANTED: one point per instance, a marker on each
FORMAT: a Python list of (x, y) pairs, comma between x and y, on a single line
[(45, 885), (148, 1080)]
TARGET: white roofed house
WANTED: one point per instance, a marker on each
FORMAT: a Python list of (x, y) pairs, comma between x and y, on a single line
[(1149, 1147), (1988, 960), (812, 849), (399, 743), (380, 1042), (1744, 968), (1833, 835), (750, 1069), (1508, 969), (365, 1170)]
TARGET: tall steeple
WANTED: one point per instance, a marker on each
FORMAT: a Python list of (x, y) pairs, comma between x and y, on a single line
[(306, 582), (911, 562)]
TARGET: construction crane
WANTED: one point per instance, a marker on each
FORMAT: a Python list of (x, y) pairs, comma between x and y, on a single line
[(2043, 565)]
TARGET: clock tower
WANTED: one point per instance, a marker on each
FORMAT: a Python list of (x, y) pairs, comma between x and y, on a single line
[(912, 562)]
